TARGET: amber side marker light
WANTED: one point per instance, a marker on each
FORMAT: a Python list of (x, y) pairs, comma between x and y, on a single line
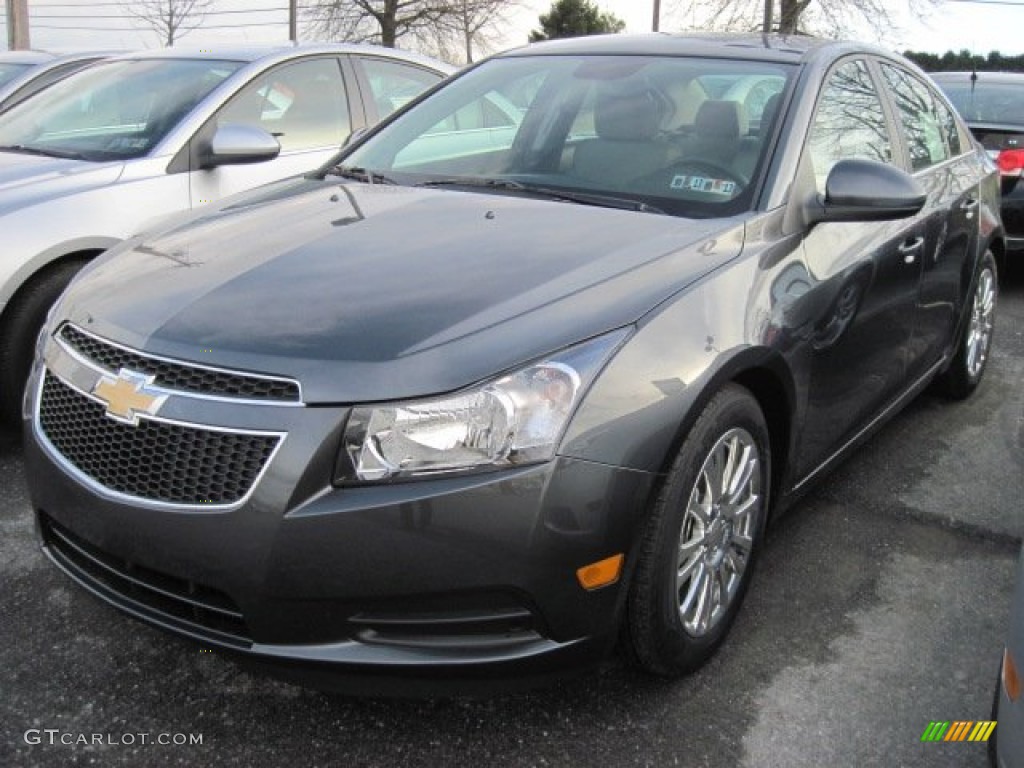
[(1011, 681), (600, 574)]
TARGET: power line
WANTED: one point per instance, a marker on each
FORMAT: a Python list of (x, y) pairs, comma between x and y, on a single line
[(128, 15), (130, 29)]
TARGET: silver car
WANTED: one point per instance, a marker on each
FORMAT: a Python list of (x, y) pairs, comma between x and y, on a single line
[(1008, 740), (21, 82), (13, 64), (103, 154)]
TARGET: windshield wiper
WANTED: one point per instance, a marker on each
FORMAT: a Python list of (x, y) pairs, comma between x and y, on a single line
[(27, 150), (360, 174), (551, 193)]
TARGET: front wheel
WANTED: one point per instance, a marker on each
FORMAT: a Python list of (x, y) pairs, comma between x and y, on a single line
[(23, 319), (702, 538), (972, 352)]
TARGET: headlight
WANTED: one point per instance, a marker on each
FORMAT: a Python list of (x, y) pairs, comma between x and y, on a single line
[(513, 420)]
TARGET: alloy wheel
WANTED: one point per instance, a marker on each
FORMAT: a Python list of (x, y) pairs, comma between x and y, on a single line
[(717, 535)]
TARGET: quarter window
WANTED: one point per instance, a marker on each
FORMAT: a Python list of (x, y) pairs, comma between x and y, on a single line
[(923, 127), (302, 104), (850, 122)]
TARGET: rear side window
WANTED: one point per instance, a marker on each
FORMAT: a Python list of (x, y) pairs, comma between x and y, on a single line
[(924, 128), (394, 85), (850, 122)]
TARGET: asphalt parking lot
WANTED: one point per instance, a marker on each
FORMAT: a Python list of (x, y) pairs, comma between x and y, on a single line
[(880, 604)]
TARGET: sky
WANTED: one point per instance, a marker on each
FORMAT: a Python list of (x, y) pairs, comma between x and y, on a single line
[(64, 25)]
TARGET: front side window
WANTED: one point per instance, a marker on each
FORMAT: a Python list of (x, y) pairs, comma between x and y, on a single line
[(302, 104), (665, 133), (923, 127), (849, 123), (111, 111)]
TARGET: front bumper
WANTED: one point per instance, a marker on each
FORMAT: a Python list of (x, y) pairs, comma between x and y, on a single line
[(441, 583)]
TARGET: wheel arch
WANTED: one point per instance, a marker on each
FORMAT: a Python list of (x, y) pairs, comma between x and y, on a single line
[(80, 249), (764, 373)]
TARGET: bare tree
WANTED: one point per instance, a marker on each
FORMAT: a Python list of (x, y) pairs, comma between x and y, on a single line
[(829, 18), (471, 26), (378, 21), (170, 19)]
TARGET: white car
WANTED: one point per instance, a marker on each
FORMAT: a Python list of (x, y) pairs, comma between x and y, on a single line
[(106, 152)]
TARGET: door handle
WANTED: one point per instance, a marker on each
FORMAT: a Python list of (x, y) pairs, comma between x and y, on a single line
[(910, 248), (969, 205)]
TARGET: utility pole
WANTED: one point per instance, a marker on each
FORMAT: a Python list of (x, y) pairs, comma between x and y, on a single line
[(767, 16), (17, 25), (293, 25), (657, 16)]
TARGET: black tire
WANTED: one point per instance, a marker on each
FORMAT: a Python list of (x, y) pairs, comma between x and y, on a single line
[(22, 320), (663, 630), (975, 342)]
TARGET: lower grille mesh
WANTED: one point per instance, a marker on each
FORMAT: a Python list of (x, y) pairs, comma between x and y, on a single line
[(161, 462), (204, 610)]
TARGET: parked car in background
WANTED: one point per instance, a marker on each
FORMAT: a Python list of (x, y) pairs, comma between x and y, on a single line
[(104, 153), (442, 413), (1007, 743), (992, 103), (35, 78), (16, 63)]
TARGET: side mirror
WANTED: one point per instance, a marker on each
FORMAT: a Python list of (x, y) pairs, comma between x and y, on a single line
[(237, 144), (866, 190)]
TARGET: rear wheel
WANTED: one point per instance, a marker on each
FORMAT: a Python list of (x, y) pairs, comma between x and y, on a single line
[(702, 538), (22, 320), (969, 361)]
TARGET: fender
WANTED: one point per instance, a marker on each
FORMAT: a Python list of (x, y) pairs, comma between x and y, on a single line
[(26, 269)]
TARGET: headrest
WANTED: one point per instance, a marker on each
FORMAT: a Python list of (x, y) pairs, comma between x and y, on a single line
[(622, 114), (721, 119)]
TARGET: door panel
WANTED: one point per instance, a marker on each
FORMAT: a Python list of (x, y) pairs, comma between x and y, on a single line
[(933, 147), (866, 277)]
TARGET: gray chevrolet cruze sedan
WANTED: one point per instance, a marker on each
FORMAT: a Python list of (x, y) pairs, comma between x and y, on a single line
[(523, 371)]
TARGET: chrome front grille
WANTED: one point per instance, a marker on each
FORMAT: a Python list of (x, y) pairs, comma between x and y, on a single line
[(162, 462), (179, 376)]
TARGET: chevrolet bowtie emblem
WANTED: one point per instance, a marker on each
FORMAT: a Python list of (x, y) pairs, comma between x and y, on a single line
[(128, 395)]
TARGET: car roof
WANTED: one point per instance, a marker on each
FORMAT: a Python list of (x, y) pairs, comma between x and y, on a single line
[(255, 53), (755, 47), (24, 57), (986, 77)]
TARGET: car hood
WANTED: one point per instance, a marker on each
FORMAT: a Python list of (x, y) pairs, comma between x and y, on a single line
[(371, 292), (26, 179)]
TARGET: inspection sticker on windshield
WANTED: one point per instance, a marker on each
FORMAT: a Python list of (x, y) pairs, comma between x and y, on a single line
[(702, 184)]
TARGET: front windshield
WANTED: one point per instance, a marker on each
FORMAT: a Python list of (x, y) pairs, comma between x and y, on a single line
[(111, 111), (988, 102), (679, 135), (10, 71)]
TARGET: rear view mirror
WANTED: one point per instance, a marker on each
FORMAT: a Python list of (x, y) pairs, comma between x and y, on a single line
[(238, 144), (866, 190)]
